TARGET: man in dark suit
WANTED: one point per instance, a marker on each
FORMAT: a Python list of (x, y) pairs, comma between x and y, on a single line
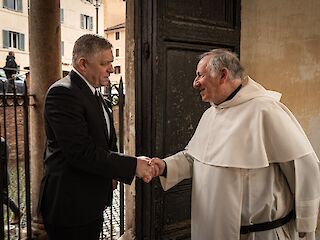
[(81, 159)]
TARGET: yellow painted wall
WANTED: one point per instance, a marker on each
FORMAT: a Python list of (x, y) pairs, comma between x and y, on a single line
[(115, 12), (280, 48)]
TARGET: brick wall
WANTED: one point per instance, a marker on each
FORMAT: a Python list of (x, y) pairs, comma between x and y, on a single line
[(14, 130)]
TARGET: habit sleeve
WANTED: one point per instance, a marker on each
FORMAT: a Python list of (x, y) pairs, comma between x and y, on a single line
[(179, 167), (303, 181)]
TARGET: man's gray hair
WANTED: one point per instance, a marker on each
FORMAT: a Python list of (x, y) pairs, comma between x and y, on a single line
[(88, 45), (223, 58)]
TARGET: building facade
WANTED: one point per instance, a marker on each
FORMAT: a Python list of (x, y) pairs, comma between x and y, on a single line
[(114, 21), (77, 17), (14, 31), (116, 35)]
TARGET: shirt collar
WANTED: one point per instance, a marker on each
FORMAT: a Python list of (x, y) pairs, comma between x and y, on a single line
[(229, 97), (233, 93)]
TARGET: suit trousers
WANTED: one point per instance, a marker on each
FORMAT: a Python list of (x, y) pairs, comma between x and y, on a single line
[(90, 231)]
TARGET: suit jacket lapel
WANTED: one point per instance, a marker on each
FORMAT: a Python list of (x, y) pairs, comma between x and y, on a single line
[(77, 80), (109, 112)]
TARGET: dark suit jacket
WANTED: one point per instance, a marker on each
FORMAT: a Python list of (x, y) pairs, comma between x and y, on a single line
[(80, 160)]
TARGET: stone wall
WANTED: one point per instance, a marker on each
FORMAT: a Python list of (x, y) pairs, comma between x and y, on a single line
[(280, 50)]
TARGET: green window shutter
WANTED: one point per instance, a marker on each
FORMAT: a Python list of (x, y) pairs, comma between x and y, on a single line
[(5, 4), (21, 41), (81, 21), (5, 38), (62, 48), (91, 23), (61, 15), (19, 5)]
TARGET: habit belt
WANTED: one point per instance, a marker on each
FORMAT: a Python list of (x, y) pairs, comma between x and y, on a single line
[(258, 227)]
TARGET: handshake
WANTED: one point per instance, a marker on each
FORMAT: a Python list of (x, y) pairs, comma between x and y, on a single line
[(148, 168)]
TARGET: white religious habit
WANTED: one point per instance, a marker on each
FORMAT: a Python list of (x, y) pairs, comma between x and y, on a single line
[(250, 162)]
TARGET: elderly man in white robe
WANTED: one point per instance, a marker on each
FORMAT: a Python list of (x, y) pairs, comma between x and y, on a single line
[(254, 173)]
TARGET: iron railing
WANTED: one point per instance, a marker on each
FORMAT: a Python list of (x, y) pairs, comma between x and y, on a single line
[(14, 129), (14, 124), (114, 216)]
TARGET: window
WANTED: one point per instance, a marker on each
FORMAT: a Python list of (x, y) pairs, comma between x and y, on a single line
[(117, 35), (117, 70), (13, 40), (61, 15), (15, 5), (62, 48), (117, 52), (86, 22)]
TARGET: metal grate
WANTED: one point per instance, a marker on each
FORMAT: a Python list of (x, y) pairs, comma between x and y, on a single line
[(112, 226), (114, 218), (19, 172), (14, 165)]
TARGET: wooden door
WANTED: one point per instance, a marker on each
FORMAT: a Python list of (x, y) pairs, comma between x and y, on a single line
[(169, 36)]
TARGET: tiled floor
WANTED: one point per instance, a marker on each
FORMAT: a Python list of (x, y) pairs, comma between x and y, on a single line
[(107, 225), (115, 216)]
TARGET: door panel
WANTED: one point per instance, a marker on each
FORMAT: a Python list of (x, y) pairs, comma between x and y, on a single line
[(169, 37), (179, 103), (215, 21)]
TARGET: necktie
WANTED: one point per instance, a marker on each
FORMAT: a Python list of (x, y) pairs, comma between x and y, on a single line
[(97, 95), (109, 121), (105, 111)]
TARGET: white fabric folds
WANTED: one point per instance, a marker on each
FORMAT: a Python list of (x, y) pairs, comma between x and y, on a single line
[(254, 116)]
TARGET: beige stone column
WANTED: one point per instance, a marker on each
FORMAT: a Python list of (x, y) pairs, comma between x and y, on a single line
[(45, 67), (130, 145)]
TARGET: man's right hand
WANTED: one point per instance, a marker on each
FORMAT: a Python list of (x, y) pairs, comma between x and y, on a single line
[(144, 169)]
